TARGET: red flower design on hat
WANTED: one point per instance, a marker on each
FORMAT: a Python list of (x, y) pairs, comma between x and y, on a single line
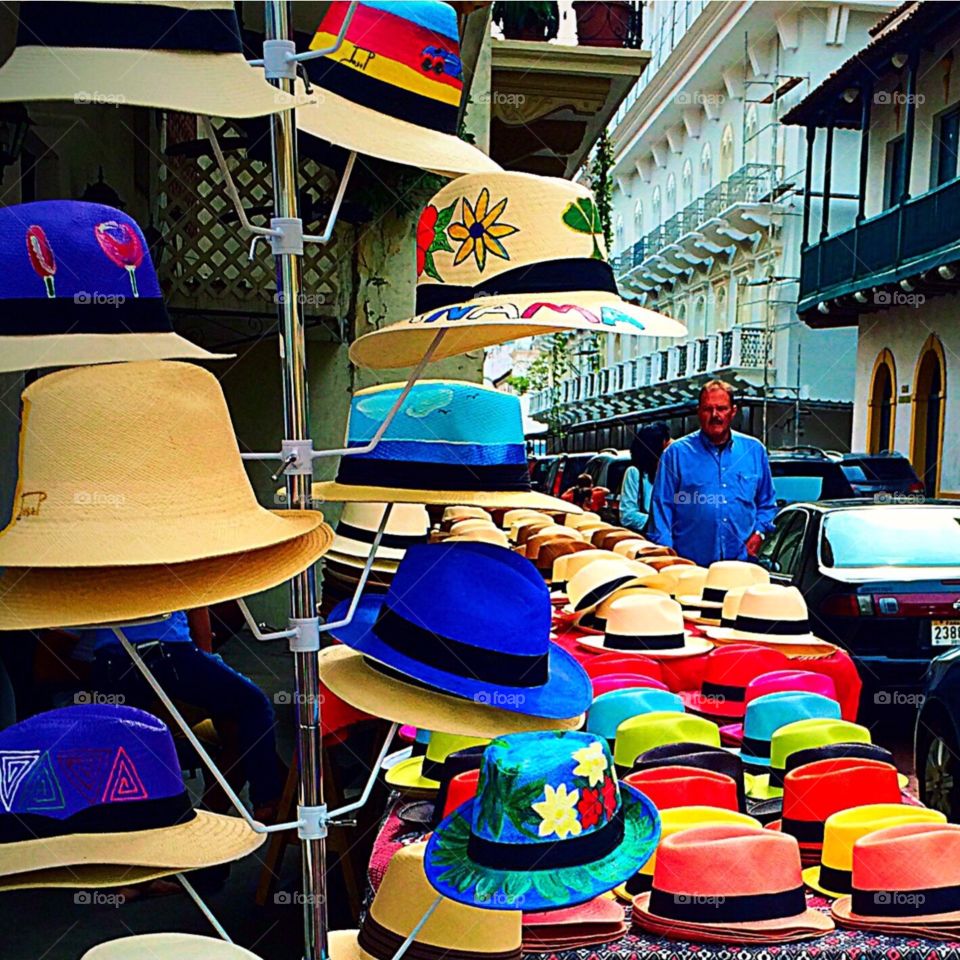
[(608, 790), (589, 807), (431, 237)]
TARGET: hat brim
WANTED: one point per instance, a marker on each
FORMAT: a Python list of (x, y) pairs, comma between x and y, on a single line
[(355, 127), (351, 678), (452, 873), (730, 634), (700, 620), (87, 876), (488, 321), (841, 909), (358, 563), (567, 688), (355, 493), (354, 550), (408, 775), (204, 841), (811, 877), (758, 785), (691, 600), (83, 349), (169, 946), (212, 84), (418, 813), (692, 647), (75, 597)]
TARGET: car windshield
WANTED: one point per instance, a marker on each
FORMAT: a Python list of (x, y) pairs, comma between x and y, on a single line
[(897, 536), (794, 489)]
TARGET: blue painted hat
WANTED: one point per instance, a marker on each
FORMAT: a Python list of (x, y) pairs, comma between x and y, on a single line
[(768, 713), (550, 827), (450, 443), (101, 785), (472, 620), (610, 709), (79, 287)]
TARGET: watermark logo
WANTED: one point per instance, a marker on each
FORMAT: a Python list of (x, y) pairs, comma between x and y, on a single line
[(694, 899), (98, 98), (890, 898), (284, 697), (898, 298), (495, 698), (501, 900), (96, 697), (303, 298), (88, 298), (897, 98), (699, 499), (500, 99), (98, 898), (295, 898), (892, 496), (898, 698), (700, 99), (98, 498)]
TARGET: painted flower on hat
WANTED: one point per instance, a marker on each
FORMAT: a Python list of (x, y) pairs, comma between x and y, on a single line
[(479, 232), (431, 237), (590, 808), (591, 762), (609, 794), (558, 811)]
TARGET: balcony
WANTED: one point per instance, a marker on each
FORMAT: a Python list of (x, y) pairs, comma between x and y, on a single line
[(661, 377), (897, 245), (737, 210)]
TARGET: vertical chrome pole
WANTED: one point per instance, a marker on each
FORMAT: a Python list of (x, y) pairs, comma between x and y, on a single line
[(278, 16)]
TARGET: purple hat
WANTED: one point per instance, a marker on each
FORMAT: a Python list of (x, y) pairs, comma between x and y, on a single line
[(79, 287), (100, 785)]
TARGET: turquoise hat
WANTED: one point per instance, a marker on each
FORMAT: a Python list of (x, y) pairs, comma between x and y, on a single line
[(550, 827), (610, 709), (765, 715)]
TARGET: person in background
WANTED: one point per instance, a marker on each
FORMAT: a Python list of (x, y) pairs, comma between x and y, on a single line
[(647, 447), (581, 493), (713, 497)]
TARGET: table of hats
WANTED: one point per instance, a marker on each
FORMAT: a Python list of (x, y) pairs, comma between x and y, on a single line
[(601, 734)]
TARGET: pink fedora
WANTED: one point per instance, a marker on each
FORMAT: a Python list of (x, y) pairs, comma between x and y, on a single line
[(624, 681)]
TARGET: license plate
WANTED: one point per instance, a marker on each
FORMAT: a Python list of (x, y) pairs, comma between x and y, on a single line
[(945, 633)]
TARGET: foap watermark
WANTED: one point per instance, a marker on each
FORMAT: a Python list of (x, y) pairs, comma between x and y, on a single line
[(99, 98), (891, 898), (898, 298), (893, 496), (898, 98), (92, 298), (696, 899), (284, 697), (700, 99), (98, 698), (98, 498), (696, 498), (500, 99), (303, 298), (296, 898), (898, 698), (500, 899), (98, 898), (495, 698)]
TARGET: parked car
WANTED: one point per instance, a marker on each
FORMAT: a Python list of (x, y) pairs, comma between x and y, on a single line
[(564, 471), (807, 473), (540, 471), (870, 474), (936, 741), (607, 469), (881, 580)]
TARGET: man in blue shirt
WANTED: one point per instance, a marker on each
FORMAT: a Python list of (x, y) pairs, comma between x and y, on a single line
[(713, 496)]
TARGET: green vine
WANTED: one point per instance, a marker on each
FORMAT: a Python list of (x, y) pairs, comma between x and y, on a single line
[(601, 182)]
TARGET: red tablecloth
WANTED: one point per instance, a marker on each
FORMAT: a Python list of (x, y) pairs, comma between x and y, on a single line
[(685, 673)]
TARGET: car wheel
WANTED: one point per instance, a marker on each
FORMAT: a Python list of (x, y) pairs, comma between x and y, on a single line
[(938, 770)]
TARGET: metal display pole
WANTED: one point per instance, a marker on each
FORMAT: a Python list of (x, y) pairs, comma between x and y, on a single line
[(278, 18)]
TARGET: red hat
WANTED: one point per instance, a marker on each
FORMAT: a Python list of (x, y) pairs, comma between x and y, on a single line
[(597, 666), (813, 792), (728, 671), (571, 928), (682, 786), (780, 681), (728, 879), (463, 787), (622, 681)]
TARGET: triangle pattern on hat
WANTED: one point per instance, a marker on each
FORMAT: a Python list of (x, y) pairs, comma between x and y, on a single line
[(124, 782), (14, 766), (44, 788), (84, 768)]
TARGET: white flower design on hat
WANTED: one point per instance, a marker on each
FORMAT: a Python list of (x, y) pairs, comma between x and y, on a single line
[(591, 763), (558, 811)]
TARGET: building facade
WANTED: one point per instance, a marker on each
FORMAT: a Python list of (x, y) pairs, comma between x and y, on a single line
[(893, 275), (707, 213)]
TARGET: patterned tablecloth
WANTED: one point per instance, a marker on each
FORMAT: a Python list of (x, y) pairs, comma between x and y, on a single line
[(839, 945)]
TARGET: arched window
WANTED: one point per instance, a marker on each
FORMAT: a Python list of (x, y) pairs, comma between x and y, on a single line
[(720, 300), (619, 241), (726, 152), (698, 326), (657, 202), (706, 168), (638, 220), (751, 142), (671, 196), (929, 398), (881, 406), (686, 184)]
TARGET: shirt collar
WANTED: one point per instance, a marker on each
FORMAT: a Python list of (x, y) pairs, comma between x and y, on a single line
[(712, 447)]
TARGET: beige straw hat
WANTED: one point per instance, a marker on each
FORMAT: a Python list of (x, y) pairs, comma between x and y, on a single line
[(668, 578), (545, 535), (595, 582), (168, 946), (647, 624), (181, 55), (465, 526), (513, 255), (453, 930), (727, 614), (523, 530), (407, 524), (459, 512), (687, 579), (484, 534), (629, 548), (585, 519), (597, 619), (773, 613), (722, 575), (566, 568), (512, 517), (352, 678)]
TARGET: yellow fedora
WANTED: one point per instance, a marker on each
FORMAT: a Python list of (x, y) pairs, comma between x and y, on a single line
[(422, 773), (639, 734)]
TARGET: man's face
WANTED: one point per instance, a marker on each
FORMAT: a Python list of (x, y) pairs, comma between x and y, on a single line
[(716, 413)]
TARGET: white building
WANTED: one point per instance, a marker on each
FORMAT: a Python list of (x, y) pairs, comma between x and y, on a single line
[(708, 225)]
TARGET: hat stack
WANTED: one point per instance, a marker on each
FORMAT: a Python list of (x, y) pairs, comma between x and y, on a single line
[(722, 576)]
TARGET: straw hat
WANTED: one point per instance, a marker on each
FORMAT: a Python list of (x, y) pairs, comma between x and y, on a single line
[(546, 535), (101, 785), (183, 55), (595, 533), (451, 442), (407, 525), (168, 946), (643, 549), (79, 287), (551, 552), (566, 568), (393, 91), (167, 525), (584, 519), (637, 679), (484, 534), (510, 517), (624, 547), (596, 620), (727, 616), (608, 540), (832, 876), (452, 783), (513, 255), (522, 530), (423, 772), (402, 899), (458, 512), (738, 882), (637, 735), (724, 682), (468, 526), (537, 787), (722, 576), (588, 924), (594, 582), (769, 612), (648, 624), (669, 578), (661, 562)]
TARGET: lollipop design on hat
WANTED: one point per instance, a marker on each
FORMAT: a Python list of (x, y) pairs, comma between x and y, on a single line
[(119, 241), (41, 257)]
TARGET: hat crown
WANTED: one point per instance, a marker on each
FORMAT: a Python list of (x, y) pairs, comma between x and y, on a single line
[(610, 709), (910, 856), (406, 519), (441, 745), (640, 615), (740, 662), (65, 761), (405, 895), (767, 714), (813, 732), (772, 602), (473, 593), (681, 787), (844, 828), (544, 787), (731, 604), (639, 734), (777, 681), (817, 790), (726, 574)]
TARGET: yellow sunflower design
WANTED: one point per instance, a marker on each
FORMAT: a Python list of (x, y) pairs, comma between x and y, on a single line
[(478, 231)]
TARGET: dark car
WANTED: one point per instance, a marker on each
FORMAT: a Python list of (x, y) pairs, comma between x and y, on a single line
[(540, 471), (807, 473), (872, 474), (564, 471), (607, 469), (936, 742), (881, 580)]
